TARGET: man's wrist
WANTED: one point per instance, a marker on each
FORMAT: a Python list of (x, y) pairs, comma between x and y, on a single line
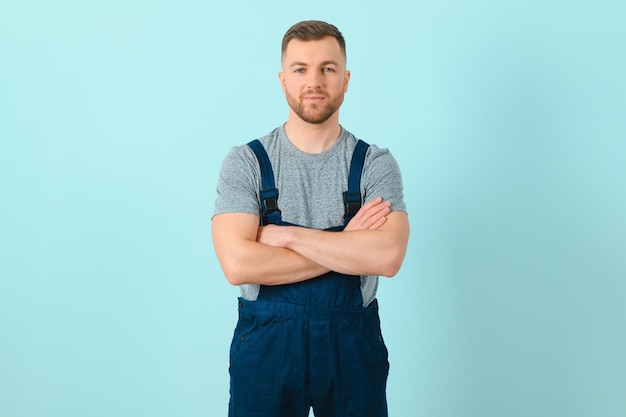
[(290, 237)]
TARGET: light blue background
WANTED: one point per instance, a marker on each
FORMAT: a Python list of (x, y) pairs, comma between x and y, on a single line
[(507, 119)]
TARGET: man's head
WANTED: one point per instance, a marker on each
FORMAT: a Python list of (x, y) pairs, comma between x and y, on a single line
[(314, 76), (312, 30)]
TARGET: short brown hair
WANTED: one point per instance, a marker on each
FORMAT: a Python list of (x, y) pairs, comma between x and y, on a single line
[(312, 30)]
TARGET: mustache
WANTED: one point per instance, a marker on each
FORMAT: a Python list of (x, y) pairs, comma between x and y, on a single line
[(313, 92)]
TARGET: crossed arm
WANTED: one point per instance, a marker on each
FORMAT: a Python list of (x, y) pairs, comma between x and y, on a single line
[(373, 243)]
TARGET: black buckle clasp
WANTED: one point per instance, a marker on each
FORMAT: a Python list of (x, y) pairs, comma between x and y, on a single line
[(351, 204), (269, 206)]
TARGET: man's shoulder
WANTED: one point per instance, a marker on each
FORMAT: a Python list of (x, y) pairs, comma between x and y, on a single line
[(243, 150), (271, 137), (373, 151), (352, 139)]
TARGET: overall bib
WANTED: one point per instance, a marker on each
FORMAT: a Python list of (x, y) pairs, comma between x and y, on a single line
[(312, 343)]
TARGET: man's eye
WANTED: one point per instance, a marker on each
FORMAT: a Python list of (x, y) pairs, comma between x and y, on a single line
[(299, 70), (328, 69)]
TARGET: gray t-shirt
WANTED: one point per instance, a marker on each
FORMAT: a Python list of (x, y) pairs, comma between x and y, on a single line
[(310, 186)]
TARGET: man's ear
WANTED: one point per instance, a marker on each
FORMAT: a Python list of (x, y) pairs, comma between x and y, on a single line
[(281, 78), (346, 81)]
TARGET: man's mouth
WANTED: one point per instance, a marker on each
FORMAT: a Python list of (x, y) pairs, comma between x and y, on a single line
[(314, 97)]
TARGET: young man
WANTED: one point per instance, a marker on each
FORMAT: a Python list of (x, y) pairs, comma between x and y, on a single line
[(306, 219)]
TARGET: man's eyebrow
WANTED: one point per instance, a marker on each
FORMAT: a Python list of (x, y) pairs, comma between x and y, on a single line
[(304, 64)]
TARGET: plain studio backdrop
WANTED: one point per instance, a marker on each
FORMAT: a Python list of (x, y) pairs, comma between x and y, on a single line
[(507, 119)]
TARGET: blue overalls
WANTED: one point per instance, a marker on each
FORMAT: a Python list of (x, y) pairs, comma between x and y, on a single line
[(308, 344)]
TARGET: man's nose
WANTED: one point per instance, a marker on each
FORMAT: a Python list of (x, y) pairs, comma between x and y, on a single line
[(314, 79)]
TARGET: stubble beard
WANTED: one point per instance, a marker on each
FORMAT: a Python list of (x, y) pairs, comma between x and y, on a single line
[(314, 113)]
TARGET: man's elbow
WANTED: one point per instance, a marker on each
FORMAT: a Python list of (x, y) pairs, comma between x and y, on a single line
[(234, 280), (392, 265), (395, 247), (390, 270), (234, 274)]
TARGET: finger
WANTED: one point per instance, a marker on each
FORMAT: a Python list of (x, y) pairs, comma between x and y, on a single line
[(375, 212), (384, 206), (371, 207), (376, 225), (375, 222), (369, 215), (373, 202)]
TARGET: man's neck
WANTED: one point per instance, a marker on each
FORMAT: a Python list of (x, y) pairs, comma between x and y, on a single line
[(312, 138)]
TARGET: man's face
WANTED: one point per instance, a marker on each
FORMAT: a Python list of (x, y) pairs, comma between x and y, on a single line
[(314, 78)]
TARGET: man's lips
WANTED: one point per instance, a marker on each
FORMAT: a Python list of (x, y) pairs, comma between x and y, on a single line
[(314, 97)]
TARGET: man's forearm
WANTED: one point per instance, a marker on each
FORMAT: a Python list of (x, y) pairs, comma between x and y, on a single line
[(358, 252), (246, 261), (250, 254), (256, 263)]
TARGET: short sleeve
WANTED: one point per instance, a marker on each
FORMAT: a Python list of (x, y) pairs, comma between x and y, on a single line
[(238, 183), (382, 178)]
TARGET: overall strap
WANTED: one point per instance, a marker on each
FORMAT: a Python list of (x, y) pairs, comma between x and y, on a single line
[(352, 198), (269, 193)]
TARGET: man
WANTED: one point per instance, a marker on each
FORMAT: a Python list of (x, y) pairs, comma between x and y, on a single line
[(308, 333)]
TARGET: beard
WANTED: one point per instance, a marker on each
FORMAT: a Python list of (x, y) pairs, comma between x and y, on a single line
[(314, 113)]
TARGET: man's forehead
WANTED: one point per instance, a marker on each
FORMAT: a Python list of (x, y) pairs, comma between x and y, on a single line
[(326, 49)]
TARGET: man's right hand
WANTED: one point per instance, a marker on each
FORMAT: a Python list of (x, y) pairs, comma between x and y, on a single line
[(372, 215)]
